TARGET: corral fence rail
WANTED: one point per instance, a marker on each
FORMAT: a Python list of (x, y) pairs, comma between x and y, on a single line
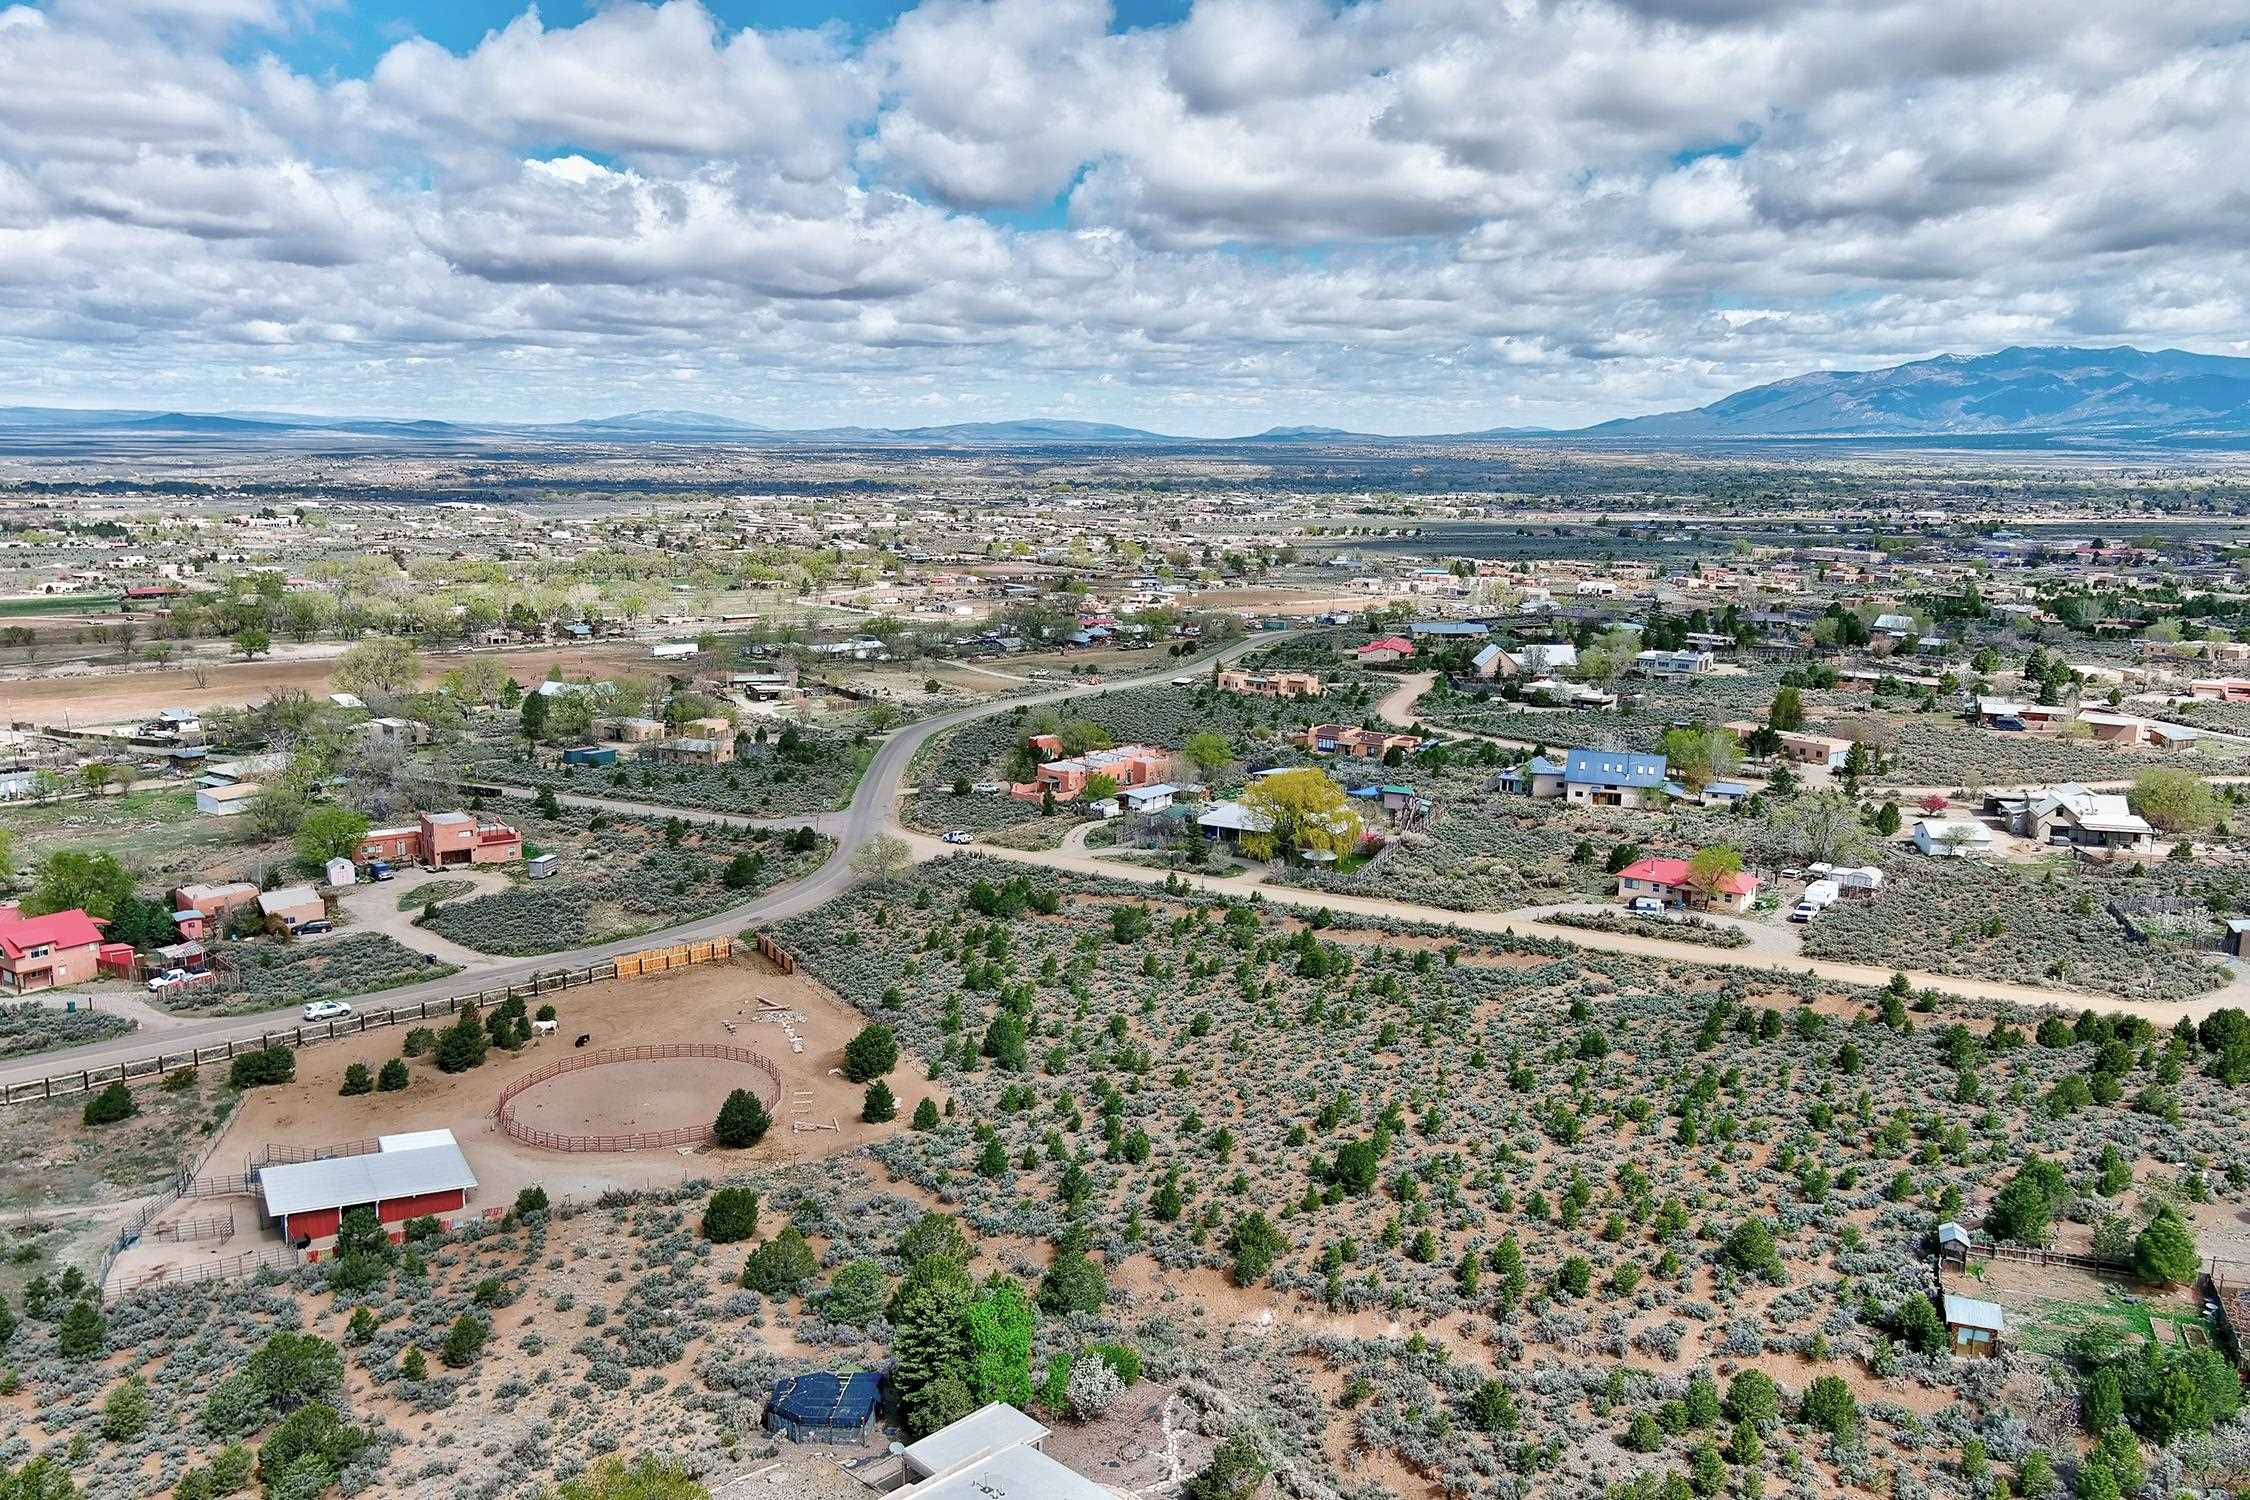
[(531, 1135), (156, 1066)]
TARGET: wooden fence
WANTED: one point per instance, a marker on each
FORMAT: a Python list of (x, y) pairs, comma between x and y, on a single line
[(647, 1140), (248, 1263), (156, 1066), (773, 953), (678, 956)]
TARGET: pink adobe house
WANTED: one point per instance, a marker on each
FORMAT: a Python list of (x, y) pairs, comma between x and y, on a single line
[(442, 838), (1127, 765)]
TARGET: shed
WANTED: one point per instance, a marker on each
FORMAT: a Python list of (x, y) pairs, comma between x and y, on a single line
[(308, 1199), (342, 872), (589, 755), (824, 1408), (1973, 1327), (1953, 1244)]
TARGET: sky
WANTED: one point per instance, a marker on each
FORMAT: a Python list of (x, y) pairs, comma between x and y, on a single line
[(1204, 217)]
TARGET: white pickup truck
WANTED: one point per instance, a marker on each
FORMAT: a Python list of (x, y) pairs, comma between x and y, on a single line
[(1818, 897)]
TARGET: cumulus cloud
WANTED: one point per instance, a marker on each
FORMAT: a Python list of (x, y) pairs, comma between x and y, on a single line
[(1403, 214)]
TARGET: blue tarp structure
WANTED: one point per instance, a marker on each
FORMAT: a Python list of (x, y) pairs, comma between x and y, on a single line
[(824, 1408)]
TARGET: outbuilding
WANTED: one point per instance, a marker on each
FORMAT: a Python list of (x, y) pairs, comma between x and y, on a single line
[(824, 1408), (409, 1176), (1973, 1327)]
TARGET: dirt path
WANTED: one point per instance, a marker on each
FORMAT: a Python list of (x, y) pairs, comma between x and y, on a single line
[(2157, 1012), (373, 907)]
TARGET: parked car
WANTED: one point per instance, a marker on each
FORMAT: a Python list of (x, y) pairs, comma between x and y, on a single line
[(327, 1010), (158, 983), (380, 870), (316, 925), (959, 836), (1645, 906), (1805, 911)]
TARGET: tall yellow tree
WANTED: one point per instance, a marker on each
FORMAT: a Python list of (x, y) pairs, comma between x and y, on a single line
[(1304, 810)]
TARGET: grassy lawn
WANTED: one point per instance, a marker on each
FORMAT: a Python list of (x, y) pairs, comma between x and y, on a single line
[(60, 604), (2047, 1327)]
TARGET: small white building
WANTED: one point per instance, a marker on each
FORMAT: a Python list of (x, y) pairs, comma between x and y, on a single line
[(1953, 838), (1148, 799), (225, 801), (672, 650), (342, 872)]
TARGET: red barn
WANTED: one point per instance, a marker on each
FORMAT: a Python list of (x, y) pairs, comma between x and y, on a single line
[(423, 1173)]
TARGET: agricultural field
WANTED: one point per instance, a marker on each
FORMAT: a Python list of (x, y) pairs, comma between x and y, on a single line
[(622, 875), (815, 773), (32, 1027), (2045, 925), (269, 975), (1520, 1199)]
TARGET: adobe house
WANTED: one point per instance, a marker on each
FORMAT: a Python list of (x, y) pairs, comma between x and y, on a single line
[(441, 839), (291, 907), (1272, 684)]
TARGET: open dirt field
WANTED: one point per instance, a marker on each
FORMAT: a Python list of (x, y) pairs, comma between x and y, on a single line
[(686, 1005), (104, 697)]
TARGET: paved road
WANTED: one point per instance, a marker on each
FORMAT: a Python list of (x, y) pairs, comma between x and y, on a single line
[(870, 812)]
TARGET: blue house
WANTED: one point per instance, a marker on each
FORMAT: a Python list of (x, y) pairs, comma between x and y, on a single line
[(1595, 778)]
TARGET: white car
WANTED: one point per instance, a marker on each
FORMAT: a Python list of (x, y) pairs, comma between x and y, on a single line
[(1645, 906), (157, 983), (959, 836), (327, 1010)]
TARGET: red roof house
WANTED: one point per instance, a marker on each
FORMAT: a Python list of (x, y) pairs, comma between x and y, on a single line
[(1666, 880), (42, 953), (1387, 648)]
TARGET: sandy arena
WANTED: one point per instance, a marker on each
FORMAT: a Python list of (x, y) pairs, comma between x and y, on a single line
[(638, 1096)]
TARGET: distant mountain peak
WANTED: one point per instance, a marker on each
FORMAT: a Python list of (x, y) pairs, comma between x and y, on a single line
[(2027, 390)]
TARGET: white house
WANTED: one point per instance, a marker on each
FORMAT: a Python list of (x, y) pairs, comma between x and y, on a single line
[(1953, 838)]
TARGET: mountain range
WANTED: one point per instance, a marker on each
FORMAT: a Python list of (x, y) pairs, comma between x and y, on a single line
[(2036, 395)]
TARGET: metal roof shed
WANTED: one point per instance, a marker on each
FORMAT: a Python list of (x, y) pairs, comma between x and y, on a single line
[(310, 1198)]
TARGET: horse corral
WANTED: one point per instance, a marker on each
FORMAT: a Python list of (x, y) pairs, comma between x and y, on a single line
[(707, 1010)]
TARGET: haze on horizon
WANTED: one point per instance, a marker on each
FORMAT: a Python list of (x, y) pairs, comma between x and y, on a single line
[(1206, 218)]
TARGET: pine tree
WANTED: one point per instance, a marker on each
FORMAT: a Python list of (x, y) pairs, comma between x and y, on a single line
[(880, 1105), (84, 1332), (742, 1122)]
